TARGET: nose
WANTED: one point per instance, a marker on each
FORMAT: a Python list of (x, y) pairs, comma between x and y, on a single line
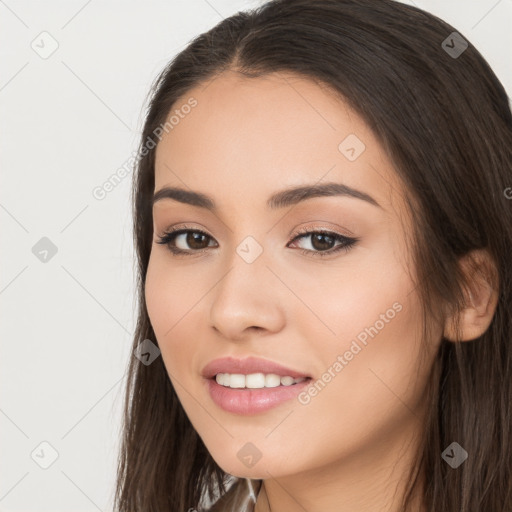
[(247, 299)]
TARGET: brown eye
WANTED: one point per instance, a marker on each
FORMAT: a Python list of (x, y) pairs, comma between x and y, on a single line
[(186, 241), (196, 240), (322, 242)]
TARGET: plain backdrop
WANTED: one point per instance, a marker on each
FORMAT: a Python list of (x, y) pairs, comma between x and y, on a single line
[(69, 119)]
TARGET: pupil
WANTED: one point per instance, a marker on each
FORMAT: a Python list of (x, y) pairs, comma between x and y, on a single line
[(321, 237), (192, 238)]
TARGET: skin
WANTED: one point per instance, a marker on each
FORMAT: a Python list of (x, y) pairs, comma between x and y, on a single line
[(351, 447)]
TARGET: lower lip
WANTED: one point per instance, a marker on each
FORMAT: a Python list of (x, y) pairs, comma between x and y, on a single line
[(252, 401)]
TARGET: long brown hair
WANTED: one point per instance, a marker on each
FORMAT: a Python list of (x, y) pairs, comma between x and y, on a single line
[(445, 122)]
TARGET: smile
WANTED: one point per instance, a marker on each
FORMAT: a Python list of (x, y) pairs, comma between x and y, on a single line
[(255, 380)]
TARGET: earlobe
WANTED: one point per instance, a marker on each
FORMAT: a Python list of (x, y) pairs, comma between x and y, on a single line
[(480, 297)]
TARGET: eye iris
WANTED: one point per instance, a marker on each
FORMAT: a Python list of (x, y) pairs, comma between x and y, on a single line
[(194, 237), (324, 240)]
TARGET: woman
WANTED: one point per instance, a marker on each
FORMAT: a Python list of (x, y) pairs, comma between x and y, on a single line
[(323, 230)]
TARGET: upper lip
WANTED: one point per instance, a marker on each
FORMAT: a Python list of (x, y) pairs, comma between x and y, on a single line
[(247, 366)]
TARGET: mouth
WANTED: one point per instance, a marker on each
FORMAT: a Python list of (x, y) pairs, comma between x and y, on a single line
[(252, 385), (251, 371), (256, 380)]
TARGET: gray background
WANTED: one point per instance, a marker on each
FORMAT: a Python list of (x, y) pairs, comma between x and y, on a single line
[(68, 121)]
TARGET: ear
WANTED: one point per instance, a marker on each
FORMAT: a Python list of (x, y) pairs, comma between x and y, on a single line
[(480, 297)]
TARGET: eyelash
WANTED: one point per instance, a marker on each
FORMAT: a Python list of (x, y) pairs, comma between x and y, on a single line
[(346, 242)]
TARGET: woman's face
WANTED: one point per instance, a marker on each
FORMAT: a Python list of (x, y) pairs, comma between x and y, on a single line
[(339, 307)]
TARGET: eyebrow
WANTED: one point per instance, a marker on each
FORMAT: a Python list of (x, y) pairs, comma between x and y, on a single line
[(282, 199)]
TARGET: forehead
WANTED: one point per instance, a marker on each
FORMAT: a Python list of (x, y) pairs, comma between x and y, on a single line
[(259, 134)]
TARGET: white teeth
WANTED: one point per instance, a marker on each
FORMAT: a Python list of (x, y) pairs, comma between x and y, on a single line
[(236, 380), (272, 380), (286, 381), (255, 380)]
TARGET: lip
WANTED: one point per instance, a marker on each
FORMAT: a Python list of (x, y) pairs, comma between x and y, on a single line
[(250, 401), (247, 366)]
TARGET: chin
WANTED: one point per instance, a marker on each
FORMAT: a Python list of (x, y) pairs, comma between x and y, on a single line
[(264, 468)]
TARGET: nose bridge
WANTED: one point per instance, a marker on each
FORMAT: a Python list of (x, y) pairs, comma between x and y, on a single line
[(244, 297)]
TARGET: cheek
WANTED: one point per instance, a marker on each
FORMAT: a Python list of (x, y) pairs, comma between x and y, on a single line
[(378, 334), (167, 293), (158, 299), (349, 298), (175, 309), (164, 303), (372, 353)]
